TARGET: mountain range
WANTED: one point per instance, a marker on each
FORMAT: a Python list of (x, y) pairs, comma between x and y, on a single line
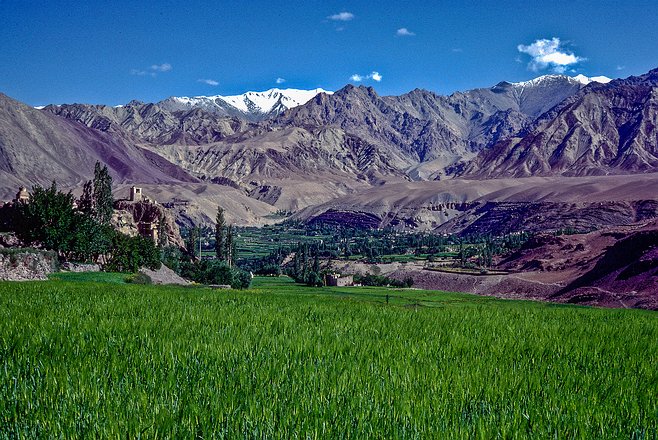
[(300, 150), (253, 106)]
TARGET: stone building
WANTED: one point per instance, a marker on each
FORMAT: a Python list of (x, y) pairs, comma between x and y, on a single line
[(135, 194), (22, 195), (149, 229), (336, 280)]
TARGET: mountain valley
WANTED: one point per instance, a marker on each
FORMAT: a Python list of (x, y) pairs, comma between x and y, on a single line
[(554, 153)]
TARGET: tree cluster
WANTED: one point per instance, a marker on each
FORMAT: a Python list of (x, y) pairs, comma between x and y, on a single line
[(215, 272), (380, 280), (305, 266), (80, 231), (221, 270), (225, 249)]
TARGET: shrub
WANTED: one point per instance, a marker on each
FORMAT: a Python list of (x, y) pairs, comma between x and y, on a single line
[(241, 279), (139, 278), (215, 272), (130, 253), (171, 257), (379, 280)]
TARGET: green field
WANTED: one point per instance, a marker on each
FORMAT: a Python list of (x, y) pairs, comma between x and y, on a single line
[(99, 360)]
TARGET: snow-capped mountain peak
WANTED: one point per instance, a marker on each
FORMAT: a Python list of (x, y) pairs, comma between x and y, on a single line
[(586, 80), (253, 105), (544, 79)]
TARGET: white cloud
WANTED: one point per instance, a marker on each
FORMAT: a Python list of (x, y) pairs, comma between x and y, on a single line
[(457, 50), (342, 16), (210, 82), (139, 72), (620, 67), (151, 71), (280, 80), (375, 76), (165, 67), (404, 32), (547, 53)]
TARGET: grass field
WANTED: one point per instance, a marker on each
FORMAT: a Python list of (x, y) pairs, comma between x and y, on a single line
[(94, 277), (82, 359)]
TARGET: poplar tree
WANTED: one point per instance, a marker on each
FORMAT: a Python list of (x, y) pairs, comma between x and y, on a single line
[(86, 201), (230, 246), (103, 194), (192, 241), (220, 235)]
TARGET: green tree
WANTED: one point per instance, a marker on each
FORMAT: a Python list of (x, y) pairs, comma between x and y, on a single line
[(220, 235), (192, 243), (462, 253), (130, 253), (241, 279), (171, 257), (104, 202), (48, 219), (163, 238), (89, 239), (86, 200), (230, 246)]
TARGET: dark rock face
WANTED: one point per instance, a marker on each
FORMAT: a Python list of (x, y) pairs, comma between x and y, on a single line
[(497, 218), (634, 256), (362, 220)]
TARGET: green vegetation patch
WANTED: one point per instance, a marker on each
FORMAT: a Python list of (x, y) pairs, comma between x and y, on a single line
[(288, 361), (92, 277)]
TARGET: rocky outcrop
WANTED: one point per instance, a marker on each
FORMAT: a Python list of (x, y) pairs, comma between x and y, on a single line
[(615, 267), (70, 266), (128, 216), (499, 218), (23, 264), (164, 275)]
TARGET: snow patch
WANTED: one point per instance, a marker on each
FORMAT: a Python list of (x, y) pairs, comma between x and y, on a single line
[(586, 80), (582, 79), (252, 102)]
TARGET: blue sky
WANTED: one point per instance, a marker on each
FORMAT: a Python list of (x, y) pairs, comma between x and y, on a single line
[(112, 52)]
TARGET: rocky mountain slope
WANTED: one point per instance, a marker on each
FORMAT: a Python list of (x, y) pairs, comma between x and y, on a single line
[(429, 134), (602, 129), (338, 149), (613, 267), (496, 206), (154, 124), (421, 135), (37, 147)]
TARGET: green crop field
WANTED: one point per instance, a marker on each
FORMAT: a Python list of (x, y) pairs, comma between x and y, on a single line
[(107, 360)]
